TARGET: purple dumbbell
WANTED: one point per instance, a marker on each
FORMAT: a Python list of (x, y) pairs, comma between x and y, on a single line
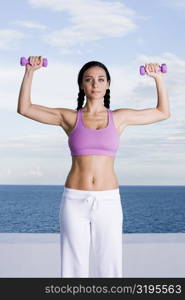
[(24, 61), (163, 69)]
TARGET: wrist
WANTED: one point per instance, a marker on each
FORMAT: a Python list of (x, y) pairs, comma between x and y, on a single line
[(29, 72), (159, 78)]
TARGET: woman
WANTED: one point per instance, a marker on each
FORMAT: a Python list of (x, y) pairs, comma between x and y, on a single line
[(90, 210)]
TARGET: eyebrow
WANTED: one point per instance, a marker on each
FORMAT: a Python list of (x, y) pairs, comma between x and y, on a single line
[(92, 76)]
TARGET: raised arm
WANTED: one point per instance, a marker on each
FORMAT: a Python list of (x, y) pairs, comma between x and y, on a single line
[(43, 114), (149, 115)]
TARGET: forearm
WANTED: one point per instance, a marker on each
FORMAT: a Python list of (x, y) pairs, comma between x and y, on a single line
[(162, 96), (24, 100)]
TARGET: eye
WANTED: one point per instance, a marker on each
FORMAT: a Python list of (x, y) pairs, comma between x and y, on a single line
[(88, 79)]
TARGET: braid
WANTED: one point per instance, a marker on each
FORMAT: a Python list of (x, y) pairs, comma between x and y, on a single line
[(80, 99), (107, 99)]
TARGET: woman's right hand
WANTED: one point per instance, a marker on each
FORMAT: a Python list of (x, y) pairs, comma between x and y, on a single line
[(35, 62)]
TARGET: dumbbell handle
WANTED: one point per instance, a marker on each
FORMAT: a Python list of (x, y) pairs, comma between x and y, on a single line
[(163, 69), (24, 61)]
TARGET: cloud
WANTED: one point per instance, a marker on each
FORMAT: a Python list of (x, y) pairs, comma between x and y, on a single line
[(175, 73), (176, 138), (33, 145), (9, 39), (34, 172), (91, 21), (177, 4), (128, 90), (59, 78), (31, 25), (6, 172)]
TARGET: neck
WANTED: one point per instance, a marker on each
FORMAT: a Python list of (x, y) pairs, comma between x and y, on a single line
[(94, 108)]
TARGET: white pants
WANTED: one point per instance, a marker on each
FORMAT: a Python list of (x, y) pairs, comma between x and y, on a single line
[(91, 218)]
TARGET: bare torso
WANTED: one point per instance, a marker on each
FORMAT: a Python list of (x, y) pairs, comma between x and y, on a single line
[(91, 172)]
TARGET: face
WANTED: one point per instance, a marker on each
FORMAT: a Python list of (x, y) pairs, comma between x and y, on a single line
[(94, 83)]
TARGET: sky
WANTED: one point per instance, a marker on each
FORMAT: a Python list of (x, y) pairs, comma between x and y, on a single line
[(121, 34)]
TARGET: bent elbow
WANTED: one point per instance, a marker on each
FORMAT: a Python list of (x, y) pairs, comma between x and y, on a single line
[(19, 112), (164, 116), (167, 116)]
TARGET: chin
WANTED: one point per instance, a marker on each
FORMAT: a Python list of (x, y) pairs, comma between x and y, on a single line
[(96, 95), (96, 98)]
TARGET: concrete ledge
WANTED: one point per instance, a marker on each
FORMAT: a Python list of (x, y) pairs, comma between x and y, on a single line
[(144, 255)]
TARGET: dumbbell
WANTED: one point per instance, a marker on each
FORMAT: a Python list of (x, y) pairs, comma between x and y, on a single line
[(24, 61), (163, 69)]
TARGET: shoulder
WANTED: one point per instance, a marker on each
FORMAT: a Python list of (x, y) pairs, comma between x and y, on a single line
[(68, 117), (119, 111), (119, 115), (67, 112)]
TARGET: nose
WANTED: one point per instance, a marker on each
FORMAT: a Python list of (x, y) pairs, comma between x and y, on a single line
[(95, 83)]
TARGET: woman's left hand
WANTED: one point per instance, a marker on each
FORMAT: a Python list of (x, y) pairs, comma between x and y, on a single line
[(153, 70)]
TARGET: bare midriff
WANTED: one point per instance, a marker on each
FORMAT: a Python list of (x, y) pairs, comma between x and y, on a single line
[(92, 172)]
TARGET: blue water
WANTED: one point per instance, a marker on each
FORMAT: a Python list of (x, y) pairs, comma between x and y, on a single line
[(146, 209)]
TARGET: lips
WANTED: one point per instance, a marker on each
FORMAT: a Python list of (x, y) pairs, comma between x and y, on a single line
[(96, 91)]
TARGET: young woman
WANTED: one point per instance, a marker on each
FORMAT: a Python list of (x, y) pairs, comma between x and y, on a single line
[(90, 209)]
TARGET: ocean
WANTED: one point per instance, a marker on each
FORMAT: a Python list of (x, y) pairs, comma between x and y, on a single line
[(146, 209)]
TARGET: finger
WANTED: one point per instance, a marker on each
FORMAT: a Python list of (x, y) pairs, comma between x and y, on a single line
[(40, 60), (151, 68), (35, 60), (154, 68), (31, 60), (157, 67), (147, 69)]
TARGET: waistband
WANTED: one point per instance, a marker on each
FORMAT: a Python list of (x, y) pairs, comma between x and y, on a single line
[(115, 193)]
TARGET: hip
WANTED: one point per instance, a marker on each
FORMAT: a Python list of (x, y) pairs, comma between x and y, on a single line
[(90, 182), (85, 203)]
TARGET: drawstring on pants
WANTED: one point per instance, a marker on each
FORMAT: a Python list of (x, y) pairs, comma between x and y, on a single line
[(92, 200)]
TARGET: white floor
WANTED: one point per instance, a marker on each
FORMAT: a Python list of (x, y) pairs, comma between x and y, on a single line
[(144, 255)]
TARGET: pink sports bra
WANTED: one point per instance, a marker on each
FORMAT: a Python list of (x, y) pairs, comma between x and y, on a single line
[(87, 141)]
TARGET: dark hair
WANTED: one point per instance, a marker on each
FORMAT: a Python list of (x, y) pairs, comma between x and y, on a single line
[(81, 93)]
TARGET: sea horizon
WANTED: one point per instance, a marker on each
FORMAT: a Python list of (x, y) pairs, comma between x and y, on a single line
[(146, 208)]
